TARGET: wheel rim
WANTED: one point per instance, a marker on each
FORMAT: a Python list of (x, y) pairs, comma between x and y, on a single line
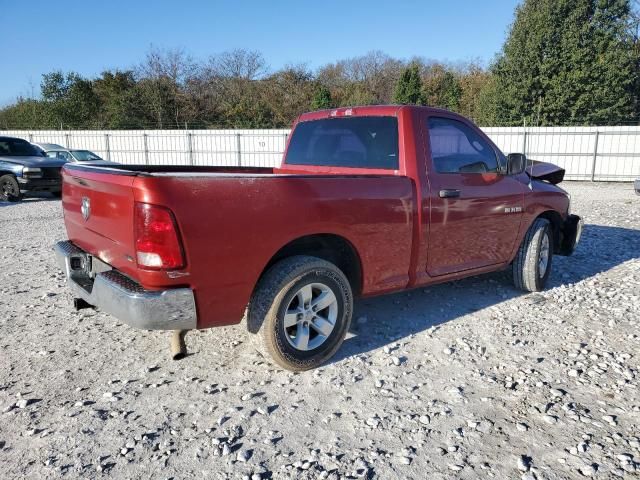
[(543, 259), (310, 316), (8, 189)]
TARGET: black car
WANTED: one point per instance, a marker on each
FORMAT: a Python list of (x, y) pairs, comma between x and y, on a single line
[(25, 169)]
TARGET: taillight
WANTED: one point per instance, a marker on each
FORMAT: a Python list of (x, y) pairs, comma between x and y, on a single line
[(156, 235)]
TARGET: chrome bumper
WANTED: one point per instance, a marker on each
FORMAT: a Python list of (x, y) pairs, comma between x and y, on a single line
[(113, 293)]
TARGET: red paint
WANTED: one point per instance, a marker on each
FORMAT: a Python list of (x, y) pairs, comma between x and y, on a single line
[(231, 222)]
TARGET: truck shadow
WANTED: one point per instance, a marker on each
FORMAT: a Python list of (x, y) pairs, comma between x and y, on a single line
[(382, 320), (32, 198)]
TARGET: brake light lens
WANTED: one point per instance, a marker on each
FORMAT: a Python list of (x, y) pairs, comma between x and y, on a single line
[(342, 112), (158, 246)]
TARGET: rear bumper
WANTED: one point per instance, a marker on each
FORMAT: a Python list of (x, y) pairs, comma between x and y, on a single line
[(118, 295), (571, 233), (39, 184)]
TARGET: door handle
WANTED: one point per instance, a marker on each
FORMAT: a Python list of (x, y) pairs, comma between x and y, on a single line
[(449, 193)]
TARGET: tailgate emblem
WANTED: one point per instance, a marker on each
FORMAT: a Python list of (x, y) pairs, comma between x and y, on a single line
[(85, 208)]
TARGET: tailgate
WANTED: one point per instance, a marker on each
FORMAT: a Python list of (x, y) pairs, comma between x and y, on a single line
[(98, 213)]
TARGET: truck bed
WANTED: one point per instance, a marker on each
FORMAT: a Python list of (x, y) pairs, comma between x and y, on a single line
[(231, 221), (174, 169)]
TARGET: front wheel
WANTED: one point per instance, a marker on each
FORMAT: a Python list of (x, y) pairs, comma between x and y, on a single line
[(9, 189), (302, 307), (532, 265)]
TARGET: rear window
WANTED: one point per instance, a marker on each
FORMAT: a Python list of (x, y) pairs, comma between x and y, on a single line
[(358, 142)]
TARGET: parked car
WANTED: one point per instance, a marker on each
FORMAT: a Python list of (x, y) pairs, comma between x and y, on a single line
[(46, 146), (52, 150), (368, 200), (24, 169)]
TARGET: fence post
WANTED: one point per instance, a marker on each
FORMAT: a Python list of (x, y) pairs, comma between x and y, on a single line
[(30, 137), (190, 147), (107, 146), (146, 148), (238, 149), (595, 156), (66, 140), (524, 141)]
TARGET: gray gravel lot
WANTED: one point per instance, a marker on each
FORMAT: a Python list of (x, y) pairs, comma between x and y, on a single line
[(470, 379)]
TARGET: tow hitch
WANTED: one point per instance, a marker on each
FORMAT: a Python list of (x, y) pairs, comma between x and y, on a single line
[(80, 304)]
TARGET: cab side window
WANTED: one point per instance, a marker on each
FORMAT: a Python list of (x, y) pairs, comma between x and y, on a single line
[(456, 148)]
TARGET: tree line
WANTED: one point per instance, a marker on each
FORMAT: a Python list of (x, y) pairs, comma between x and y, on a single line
[(563, 62)]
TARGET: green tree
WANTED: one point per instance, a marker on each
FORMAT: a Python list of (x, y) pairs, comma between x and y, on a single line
[(357, 93), (322, 98), (120, 102), (408, 90), (442, 89), (70, 99), (26, 113), (473, 80), (567, 61)]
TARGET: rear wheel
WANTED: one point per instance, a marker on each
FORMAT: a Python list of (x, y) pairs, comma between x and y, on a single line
[(9, 189), (532, 265), (302, 307)]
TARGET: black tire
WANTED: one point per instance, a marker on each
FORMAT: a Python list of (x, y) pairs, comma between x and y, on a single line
[(9, 189), (528, 274), (57, 194), (278, 290)]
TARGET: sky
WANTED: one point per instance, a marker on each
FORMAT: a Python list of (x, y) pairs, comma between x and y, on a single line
[(89, 36)]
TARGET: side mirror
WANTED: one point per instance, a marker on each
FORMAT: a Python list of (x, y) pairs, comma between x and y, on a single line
[(516, 163)]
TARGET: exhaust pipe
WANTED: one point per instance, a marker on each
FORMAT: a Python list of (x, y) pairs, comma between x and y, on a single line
[(178, 347)]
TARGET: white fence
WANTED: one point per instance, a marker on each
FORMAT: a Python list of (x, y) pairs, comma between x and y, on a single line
[(587, 153)]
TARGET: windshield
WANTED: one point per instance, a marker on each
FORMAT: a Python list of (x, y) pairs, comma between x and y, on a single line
[(84, 155), (16, 147)]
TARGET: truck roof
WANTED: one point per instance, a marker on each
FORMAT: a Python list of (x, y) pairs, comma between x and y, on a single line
[(368, 110)]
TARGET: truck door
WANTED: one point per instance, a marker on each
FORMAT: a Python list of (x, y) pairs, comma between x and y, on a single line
[(474, 210)]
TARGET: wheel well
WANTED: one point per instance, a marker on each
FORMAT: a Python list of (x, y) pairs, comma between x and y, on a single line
[(329, 247), (556, 226)]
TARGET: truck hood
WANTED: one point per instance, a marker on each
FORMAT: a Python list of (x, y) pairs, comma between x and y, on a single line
[(33, 161), (548, 172)]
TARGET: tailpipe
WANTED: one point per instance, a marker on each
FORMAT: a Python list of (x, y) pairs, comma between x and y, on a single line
[(178, 347)]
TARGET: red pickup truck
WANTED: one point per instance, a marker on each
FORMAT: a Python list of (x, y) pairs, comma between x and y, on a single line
[(368, 200)]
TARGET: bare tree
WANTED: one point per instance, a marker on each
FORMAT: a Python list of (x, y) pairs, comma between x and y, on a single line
[(239, 63), (365, 79), (163, 76), (288, 93), (175, 64)]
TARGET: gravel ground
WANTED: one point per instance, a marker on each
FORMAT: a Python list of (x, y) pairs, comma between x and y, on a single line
[(470, 379)]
